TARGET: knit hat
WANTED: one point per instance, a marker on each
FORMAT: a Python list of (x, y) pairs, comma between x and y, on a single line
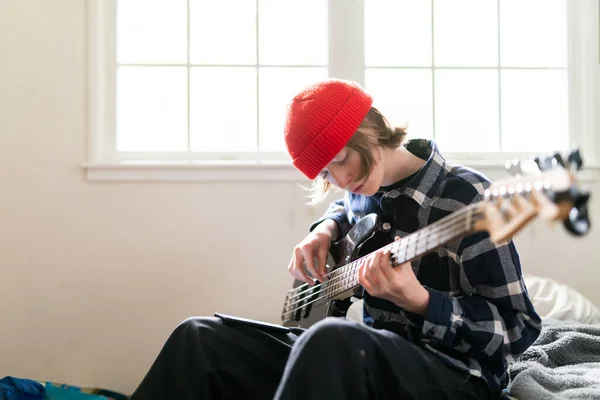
[(320, 121)]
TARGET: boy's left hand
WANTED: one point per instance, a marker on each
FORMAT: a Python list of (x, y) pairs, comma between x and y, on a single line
[(397, 284)]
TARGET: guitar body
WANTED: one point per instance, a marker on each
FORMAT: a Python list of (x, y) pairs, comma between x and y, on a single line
[(366, 236)]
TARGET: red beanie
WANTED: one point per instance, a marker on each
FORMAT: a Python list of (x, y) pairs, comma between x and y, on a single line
[(320, 120)]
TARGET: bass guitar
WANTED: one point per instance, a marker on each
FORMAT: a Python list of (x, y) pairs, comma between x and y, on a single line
[(545, 187)]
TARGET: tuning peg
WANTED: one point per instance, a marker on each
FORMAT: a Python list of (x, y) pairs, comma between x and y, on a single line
[(557, 159), (513, 167), (575, 160), (547, 162), (530, 167), (578, 221)]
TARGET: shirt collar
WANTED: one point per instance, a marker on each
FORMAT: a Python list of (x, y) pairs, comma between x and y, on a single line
[(423, 183)]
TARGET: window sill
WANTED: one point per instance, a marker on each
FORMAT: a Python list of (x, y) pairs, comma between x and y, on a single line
[(187, 171), (247, 171)]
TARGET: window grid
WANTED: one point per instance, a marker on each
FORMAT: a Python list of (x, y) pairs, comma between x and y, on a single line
[(189, 154), (499, 68), (102, 94), (433, 102), (188, 74), (499, 43)]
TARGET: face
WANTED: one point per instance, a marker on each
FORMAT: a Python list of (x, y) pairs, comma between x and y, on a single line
[(345, 170)]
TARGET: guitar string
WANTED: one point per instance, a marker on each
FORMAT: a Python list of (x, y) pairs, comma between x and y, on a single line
[(341, 274), (318, 292), (328, 294), (425, 233), (457, 224)]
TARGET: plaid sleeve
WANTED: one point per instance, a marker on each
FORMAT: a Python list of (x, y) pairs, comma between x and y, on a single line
[(337, 212), (496, 319)]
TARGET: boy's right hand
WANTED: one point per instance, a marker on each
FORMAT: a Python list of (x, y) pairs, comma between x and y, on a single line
[(315, 246)]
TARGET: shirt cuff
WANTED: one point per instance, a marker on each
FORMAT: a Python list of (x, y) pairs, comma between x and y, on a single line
[(438, 318), (340, 219), (414, 319)]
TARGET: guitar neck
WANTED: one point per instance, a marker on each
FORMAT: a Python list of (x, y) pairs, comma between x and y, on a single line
[(415, 245)]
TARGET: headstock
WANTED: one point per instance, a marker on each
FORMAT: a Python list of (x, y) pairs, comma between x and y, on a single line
[(545, 187)]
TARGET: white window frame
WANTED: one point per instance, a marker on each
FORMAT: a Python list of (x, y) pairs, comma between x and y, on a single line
[(346, 42)]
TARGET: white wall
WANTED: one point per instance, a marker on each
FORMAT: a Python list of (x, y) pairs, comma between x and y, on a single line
[(94, 276)]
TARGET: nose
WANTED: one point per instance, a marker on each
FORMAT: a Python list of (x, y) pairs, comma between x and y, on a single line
[(342, 178)]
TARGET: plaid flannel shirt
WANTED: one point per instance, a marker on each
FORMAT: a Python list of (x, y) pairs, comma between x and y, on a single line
[(479, 317)]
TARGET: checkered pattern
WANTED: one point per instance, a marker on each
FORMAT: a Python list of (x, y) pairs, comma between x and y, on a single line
[(480, 317)]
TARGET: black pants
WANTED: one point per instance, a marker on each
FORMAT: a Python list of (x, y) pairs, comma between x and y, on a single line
[(334, 359)]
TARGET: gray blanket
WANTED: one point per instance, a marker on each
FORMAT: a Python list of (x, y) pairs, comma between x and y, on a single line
[(563, 363)]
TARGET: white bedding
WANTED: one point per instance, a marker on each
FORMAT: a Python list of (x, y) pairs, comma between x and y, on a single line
[(554, 300)]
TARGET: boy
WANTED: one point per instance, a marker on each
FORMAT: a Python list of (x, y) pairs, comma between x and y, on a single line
[(441, 327)]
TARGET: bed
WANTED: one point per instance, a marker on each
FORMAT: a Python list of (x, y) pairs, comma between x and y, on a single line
[(564, 362)]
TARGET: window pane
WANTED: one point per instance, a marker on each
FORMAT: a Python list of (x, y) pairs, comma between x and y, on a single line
[(397, 33), (219, 35), (466, 33), (534, 110), (277, 86), (151, 31), (466, 108), (223, 108), (152, 109), (533, 33), (293, 32), (404, 96)]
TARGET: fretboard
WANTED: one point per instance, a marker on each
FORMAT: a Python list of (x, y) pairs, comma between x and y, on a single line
[(406, 249)]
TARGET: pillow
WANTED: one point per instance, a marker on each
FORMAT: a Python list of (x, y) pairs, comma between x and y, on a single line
[(554, 300)]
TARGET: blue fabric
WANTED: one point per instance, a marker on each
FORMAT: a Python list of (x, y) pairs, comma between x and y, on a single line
[(12, 388), (65, 392)]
